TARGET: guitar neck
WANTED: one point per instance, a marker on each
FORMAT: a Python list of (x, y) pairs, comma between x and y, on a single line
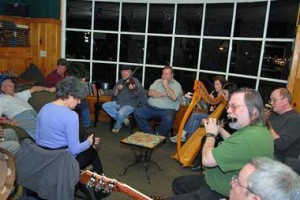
[(122, 187)]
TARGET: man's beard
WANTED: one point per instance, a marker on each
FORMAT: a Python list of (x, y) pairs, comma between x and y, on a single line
[(234, 125)]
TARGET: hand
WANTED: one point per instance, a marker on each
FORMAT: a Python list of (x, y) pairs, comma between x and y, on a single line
[(13, 123), (52, 89), (165, 82), (120, 87), (189, 95), (131, 86), (211, 126), (93, 140)]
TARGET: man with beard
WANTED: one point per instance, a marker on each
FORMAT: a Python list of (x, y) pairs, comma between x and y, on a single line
[(251, 139), (127, 94)]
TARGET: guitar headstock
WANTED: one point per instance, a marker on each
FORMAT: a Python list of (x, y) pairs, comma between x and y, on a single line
[(108, 185), (98, 182)]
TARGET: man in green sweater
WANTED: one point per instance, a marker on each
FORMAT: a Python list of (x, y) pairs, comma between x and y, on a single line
[(223, 162)]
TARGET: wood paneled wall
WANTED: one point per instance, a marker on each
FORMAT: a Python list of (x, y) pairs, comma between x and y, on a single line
[(45, 38)]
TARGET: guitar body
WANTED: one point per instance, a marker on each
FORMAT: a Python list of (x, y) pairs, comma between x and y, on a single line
[(91, 179)]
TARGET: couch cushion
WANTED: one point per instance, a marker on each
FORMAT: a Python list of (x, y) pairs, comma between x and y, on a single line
[(33, 73), (39, 99)]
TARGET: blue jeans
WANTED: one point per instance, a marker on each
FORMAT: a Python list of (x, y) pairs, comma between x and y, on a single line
[(27, 120), (194, 122), (11, 141), (117, 112), (146, 112), (84, 110)]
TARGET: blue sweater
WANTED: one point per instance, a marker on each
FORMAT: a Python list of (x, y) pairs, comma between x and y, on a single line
[(58, 126)]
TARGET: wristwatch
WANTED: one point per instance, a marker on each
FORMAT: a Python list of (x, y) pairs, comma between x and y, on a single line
[(210, 135)]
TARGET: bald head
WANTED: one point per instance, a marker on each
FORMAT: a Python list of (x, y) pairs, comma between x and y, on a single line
[(8, 87)]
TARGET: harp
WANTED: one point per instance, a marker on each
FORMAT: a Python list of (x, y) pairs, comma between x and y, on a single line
[(187, 152)]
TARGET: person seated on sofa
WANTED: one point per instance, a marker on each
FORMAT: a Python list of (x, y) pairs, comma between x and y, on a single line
[(126, 96), (9, 140), (15, 106), (163, 102), (58, 126), (59, 74)]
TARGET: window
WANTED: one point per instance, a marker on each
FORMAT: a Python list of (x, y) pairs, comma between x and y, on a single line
[(248, 42)]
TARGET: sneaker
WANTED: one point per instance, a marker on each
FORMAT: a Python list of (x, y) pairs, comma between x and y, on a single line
[(126, 121), (174, 139), (115, 130)]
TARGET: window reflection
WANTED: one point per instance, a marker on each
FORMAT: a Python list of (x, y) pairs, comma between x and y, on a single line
[(186, 79), (250, 19), (79, 14), (266, 87), (186, 52), (161, 17), (132, 48), (184, 44), (134, 17), (152, 75), (78, 44), (242, 82), (106, 16), (159, 50), (247, 60), (276, 60), (218, 19), (214, 55), (105, 46), (189, 19), (104, 73), (282, 19)]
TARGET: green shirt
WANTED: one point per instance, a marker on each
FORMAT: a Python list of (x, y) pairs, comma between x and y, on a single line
[(235, 152)]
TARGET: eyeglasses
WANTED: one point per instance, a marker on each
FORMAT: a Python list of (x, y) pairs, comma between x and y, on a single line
[(274, 100), (235, 181), (233, 107)]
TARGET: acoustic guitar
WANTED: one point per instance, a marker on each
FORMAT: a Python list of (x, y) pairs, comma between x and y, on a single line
[(108, 185)]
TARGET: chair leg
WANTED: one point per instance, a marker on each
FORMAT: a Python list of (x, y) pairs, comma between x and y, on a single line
[(97, 111), (111, 123), (132, 124)]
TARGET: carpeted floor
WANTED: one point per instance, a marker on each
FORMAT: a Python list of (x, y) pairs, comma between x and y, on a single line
[(116, 156)]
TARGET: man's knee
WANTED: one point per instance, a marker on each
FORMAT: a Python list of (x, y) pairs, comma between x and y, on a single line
[(168, 119)]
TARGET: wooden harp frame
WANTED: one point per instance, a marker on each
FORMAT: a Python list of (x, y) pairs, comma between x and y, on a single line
[(187, 152)]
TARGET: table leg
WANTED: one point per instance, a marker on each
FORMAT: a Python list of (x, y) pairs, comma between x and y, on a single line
[(144, 157)]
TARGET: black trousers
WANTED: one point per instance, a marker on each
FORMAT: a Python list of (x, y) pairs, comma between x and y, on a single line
[(193, 187), (90, 157), (86, 158)]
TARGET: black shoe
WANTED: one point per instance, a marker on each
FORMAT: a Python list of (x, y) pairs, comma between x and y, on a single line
[(87, 130), (197, 168)]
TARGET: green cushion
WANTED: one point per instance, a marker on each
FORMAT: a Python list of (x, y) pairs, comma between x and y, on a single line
[(39, 99)]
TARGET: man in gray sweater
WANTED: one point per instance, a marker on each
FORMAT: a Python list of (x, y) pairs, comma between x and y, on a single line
[(127, 94)]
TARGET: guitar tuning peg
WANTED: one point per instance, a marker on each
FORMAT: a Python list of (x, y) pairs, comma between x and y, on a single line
[(91, 182)]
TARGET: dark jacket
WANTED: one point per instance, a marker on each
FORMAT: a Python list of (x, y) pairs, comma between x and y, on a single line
[(52, 174)]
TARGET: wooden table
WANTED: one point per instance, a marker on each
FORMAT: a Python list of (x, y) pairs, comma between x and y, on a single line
[(142, 145)]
